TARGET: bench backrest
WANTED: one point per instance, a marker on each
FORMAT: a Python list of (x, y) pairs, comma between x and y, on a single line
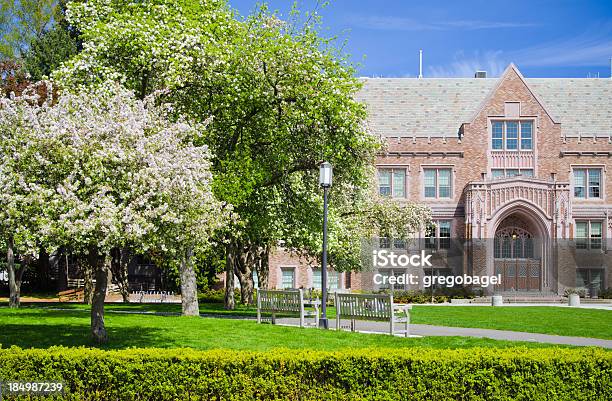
[(366, 306), (280, 301)]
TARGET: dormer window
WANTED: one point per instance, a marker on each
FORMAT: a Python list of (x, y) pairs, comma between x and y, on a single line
[(512, 135)]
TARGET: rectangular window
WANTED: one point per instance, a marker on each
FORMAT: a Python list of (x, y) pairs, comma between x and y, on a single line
[(399, 244), (444, 232), (526, 136), (512, 135), (332, 279), (587, 183), (498, 173), (579, 183), (384, 243), (444, 183), (399, 183), (384, 182), (512, 172), (591, 280), (438, 183), (392, 182), (430, 183), (594, 182), (316, 279), (589, 234), (288, 277), (498, 135), (595, 235), (430, 237), (438, 235)]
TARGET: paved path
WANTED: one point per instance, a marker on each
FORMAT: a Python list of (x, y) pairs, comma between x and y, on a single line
[(428, 330)]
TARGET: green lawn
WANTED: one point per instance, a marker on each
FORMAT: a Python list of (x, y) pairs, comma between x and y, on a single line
[(535, 319), (41, 328), (595, 323)]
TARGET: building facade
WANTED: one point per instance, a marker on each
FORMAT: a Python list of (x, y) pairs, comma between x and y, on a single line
[(515, 170)]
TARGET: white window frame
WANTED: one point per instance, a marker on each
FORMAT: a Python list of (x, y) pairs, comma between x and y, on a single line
[(287, 268), (437, 169), (520, 170), (437, 238), (588, 240), (392, 169), (602, 181), (519, 145)]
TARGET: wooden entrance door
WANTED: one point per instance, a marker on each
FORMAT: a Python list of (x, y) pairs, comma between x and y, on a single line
[(515, 261)]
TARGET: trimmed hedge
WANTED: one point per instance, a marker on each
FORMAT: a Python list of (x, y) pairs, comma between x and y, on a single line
[(375, 374)]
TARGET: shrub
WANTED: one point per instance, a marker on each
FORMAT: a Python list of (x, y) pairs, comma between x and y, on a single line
[(370, 374), (439, 296), (212, 296), (580, 291), (606, 294)]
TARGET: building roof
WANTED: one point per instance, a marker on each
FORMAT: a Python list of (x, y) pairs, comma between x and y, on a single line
[(406, 107)]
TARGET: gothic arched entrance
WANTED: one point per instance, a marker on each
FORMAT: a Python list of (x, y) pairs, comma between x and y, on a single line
[(516, 254)]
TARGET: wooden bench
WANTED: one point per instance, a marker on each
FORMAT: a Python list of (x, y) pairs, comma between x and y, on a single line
[(372, 307), (287, 302), (71, 295), (152, 297)]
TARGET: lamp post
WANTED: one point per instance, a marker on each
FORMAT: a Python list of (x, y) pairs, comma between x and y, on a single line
[(325, 180)]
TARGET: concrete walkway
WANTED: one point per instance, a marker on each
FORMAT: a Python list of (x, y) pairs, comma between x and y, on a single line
[(420, 330)]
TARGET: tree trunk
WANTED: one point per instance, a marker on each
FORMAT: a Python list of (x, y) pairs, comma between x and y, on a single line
[(189, 288), (230, 303), (246, 286), (89, 270), (44, 271), (244, 264), (98, 329), (263, 266), (119, 266), (14, 275)]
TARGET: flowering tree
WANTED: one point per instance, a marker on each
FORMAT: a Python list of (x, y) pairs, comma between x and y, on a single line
[(25, 203), (283, 101), (115, 172)]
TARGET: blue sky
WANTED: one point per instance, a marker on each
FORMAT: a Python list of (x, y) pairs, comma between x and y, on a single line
[(548, 38)]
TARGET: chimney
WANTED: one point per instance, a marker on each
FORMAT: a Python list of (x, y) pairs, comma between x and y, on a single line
[(480, 74)]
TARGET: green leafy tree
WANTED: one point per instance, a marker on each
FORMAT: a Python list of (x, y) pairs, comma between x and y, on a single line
[(22, 22), (282, 101)]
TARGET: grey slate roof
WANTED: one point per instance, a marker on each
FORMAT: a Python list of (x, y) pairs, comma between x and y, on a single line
[(438, 106)]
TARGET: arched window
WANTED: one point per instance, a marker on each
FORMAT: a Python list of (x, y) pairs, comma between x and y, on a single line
[(513, 242)]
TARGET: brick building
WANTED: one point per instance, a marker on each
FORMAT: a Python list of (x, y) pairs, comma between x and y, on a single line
[(515, 170)]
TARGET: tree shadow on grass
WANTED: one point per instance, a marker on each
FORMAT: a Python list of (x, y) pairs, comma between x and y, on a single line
[(77, 335)]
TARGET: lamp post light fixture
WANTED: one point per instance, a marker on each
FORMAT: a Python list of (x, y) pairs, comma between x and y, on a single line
[(325, 180)]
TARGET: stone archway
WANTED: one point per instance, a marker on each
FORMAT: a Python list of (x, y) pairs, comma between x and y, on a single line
[(531, 270), (517, 256)]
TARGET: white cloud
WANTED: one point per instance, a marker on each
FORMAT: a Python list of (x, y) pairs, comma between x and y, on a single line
[(389, 23), (466, 66), (591, 48)]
